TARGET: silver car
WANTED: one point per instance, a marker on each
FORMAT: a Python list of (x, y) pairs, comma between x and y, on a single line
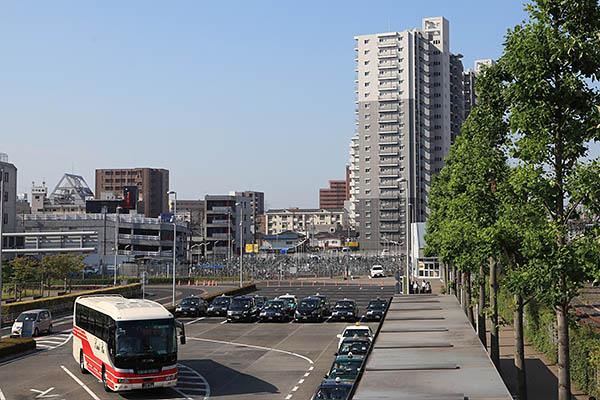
[(41, 321)]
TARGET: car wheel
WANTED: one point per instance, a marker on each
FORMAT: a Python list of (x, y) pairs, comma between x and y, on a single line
[(82, 363), (105, 384), (36, 332)]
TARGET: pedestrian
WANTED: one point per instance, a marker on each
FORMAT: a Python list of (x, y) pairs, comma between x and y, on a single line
[(428, 286), (423, 287), (415, 288)]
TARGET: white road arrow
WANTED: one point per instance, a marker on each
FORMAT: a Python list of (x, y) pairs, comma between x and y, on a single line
[(43, 394)]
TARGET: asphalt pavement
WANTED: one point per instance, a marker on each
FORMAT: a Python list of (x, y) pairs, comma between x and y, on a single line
[(229, 361)]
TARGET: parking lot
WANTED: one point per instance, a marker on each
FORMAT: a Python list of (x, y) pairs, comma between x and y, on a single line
[(225, 360)]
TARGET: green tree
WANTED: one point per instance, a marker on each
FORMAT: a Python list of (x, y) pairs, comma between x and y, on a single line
[(60, 266), (22, 272), (550, 59)]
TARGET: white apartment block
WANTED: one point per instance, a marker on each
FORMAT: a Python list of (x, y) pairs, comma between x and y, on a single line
[(307, 221), (409, 110)]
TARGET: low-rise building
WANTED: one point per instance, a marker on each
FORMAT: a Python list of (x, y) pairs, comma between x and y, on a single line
[(8, 197), (222, 225), (308, 221)]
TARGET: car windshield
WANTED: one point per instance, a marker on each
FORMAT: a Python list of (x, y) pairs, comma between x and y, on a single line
[(135, 338), (377, 305), (240, 304), (333, 393), (344, 305), (377, 268), (273, 305), (27, 317), (190, 302), (260, 301), (289, 300), (359, 348), (221, 301), (345, 368), (356, 332), (308, 304)]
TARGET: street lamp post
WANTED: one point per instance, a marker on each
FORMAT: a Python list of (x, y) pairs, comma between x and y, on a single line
[(241, 241), (117, 218), (406, 228), (174, 240)]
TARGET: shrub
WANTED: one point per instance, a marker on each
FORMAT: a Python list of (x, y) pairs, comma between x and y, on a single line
[(14, 346)]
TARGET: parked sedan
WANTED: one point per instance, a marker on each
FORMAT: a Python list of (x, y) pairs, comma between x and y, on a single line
[(192, 306), (326, 305), (345, 310), (40, 320), (242, 308), (274, 310), (334, 389), (219, 306), (345, 367), (260, 301), (309, 309), (376, 309), (355, 345)]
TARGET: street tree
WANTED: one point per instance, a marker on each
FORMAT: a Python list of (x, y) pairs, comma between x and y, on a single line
[(552, 59)]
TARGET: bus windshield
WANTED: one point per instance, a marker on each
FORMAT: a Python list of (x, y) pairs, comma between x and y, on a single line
[(146, 337)]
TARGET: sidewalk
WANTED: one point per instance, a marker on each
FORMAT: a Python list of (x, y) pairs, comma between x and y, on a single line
[(542, 381)]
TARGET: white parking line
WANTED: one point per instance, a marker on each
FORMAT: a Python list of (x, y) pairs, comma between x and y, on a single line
[(2, 395), (223, 322), (196, 320), (76, 379), (301, 381), (306, 374), (295, 388), (288, 397)]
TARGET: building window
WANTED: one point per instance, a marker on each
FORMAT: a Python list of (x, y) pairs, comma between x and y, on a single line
[(5, 196), (366, 73), (5, 219), (366, 62), (367, 94), (366, 41), (367, 126), (6, 177), (367, 84), (366, 51), (367, 170)]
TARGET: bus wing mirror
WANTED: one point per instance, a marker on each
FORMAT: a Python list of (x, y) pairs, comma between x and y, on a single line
[(182, 339), (181, 327)]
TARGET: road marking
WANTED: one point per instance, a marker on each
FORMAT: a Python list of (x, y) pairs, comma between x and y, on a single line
[(295, 388), (43, 394), (76, 379), (306, 374), (254, 347), (2, 395), (288, 397), (196, 320), (327, 320), (311, 368), (301, 381), (223, 322), (192, 377)]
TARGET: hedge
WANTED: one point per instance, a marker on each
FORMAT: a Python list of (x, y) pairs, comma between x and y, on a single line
[(14, 346), (151, 280), (539, 326), (65, 302)]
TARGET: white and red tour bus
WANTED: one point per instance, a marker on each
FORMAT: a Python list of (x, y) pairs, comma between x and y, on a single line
[(126, 343)]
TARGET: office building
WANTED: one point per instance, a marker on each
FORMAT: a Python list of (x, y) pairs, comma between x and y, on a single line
[(409, 109), (152, 187), (68, 197), (305, 221)]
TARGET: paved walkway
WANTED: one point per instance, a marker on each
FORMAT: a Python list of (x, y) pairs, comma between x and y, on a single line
[(542, 381)]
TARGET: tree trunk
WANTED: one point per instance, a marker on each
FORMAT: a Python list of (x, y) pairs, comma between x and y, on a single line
[(494, 338), (520, 349), (564, 367), (454, 279), (481, 308), (468, 295)]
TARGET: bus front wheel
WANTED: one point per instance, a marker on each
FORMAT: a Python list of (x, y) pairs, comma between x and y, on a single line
[(82, 363), (106, 388)]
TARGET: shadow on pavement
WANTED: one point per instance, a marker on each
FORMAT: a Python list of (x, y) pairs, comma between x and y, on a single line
[(541, 382)]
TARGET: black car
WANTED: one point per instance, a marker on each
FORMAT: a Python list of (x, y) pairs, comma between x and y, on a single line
[(219, 306), (356, 345), (290, 304), (260, 301), (334, 389), (326, 305), (275, 310), (344, 310), (191, 306), (309, 309), (375, 309), (242, 308)]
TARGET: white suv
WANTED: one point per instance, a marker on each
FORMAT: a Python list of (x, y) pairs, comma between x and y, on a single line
[(377, 271)]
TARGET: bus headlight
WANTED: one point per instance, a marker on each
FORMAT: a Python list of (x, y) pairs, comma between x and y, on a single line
[(122, 380), (170, 377)]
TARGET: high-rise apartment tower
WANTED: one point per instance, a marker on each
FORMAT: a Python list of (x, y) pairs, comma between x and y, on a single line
[(409, 109)]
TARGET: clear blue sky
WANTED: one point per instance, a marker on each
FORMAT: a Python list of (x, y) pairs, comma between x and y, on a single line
[(226, 95)]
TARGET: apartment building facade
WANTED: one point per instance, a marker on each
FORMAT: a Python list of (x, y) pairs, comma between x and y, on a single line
[(409, 109), (306, 221), (152, 187), (8, 197), (222, 227)]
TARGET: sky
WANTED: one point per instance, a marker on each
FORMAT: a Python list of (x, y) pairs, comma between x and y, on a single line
[(233, 95)]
